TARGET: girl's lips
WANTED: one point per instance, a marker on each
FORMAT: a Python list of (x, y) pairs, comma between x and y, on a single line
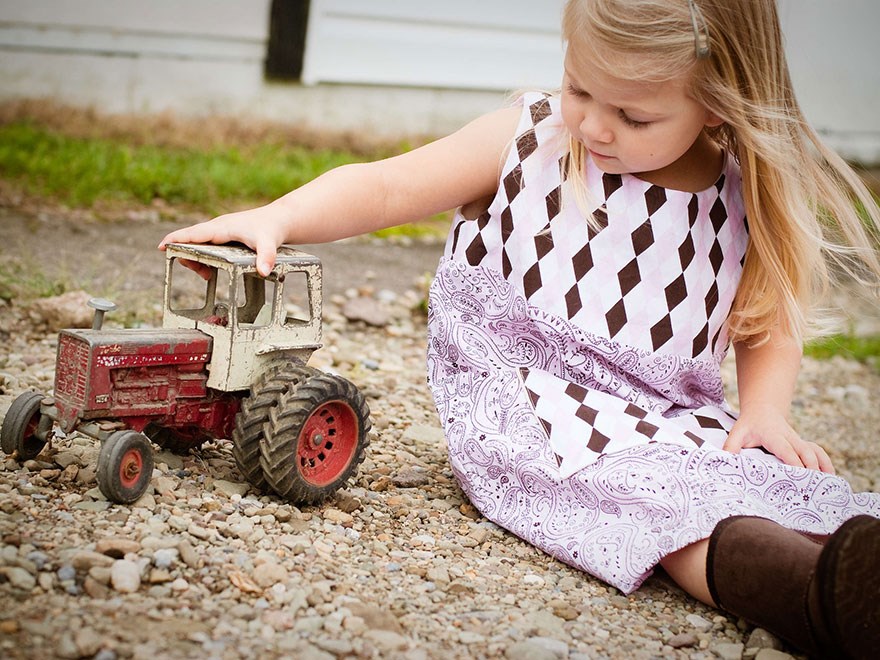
[(596, 154)]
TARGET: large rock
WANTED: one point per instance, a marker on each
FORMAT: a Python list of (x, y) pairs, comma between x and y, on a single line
[(69, 310)]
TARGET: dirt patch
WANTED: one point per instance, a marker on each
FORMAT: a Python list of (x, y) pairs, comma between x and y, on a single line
[(119, 260)]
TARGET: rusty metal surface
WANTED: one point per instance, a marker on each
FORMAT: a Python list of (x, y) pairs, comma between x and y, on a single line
[(239, 255)]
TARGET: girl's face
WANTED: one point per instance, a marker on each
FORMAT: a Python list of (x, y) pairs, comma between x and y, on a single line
[(633, 127)]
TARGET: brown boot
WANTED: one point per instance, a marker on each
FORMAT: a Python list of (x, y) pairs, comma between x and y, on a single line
[(825, 601)]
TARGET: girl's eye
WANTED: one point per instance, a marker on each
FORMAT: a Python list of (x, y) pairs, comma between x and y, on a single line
[(575, 91), (632, 123)]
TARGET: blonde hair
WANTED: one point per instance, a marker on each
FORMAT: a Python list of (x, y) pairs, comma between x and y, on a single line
[(802, 200)]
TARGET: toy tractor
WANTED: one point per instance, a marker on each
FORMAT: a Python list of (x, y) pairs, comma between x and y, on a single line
[(229, 362)]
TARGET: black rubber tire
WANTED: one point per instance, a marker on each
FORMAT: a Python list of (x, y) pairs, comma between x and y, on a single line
[(19, 426), (315, 439), (177, 441), (250, 423), (125, 466)]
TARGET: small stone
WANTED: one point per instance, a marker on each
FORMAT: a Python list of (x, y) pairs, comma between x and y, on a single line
[(366, 310), (772, 654), (95, 589), (387, 641), (698, 622), (528, 650), (763, 639), (66, 573), (683, 640), (381, 484), (69, 474), (165, 485), (117, 547), (729, 650), (87, 475), (101, 574), (231, 488), (345, 502), (18, 577), (65, 459), (269, 573), (409, 477), (338, 517), (375, 618), (9, 627), (86, 559), (179, 585), (125, 576), (188, 554), (87, 641), (94, 506), (165, 557), (159, 576)]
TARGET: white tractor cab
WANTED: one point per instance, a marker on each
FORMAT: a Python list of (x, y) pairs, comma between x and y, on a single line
[(253, 320)]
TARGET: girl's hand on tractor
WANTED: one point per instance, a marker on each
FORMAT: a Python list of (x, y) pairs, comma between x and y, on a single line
[(259, 229)]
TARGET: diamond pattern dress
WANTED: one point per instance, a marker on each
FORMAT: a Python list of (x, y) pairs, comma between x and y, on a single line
[(575, 365)]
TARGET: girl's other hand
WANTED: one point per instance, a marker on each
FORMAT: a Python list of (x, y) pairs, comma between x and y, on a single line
[(259, 229), (766, 427)]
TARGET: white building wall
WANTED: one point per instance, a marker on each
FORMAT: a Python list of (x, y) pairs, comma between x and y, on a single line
[(461, 44), (388, 67)]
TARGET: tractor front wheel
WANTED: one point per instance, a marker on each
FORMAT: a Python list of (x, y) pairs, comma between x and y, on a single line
[(125, 466), (316, 440), (20, 426)]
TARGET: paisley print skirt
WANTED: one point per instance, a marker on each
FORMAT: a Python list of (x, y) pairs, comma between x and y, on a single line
[(617, 518)]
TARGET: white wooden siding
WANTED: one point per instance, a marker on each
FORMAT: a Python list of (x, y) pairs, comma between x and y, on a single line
[(205, 29), (476, 44)]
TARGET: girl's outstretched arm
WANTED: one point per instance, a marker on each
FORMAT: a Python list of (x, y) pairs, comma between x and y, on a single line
[(363, 197), (766, 377)]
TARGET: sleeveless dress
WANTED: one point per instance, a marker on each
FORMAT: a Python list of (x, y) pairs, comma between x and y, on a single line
[(576, 368)]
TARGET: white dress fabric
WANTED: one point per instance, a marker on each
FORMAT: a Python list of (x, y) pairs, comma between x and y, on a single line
[(576, 368)]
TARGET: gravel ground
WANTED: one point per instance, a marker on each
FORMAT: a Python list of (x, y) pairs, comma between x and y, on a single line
[(398, 565)]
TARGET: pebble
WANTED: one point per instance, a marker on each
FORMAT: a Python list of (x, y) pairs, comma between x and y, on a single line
[(18, 577), (117, 547), (125, 576), (729, 650)]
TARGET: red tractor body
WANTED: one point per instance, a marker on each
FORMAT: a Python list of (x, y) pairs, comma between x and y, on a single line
[(140, 377)]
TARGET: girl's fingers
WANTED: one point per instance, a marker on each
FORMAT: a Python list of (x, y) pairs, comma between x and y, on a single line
[(808, 455), (786, 453), (266, 251), (825, 464), (735, 441)]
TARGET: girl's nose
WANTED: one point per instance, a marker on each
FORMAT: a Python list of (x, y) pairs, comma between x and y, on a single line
[(595, 128)]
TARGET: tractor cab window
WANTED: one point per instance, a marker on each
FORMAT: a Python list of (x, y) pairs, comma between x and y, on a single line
[(297, 303), (194, 297), (255, 296)]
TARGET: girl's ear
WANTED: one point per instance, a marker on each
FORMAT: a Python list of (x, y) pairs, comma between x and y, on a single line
[(713, 120)]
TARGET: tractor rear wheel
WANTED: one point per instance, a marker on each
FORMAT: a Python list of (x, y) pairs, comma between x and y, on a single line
[(315, 439), (19, 430), (125, 466), (255, 413)]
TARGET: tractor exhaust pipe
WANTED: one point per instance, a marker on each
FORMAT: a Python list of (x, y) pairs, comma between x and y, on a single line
[(101, 306)]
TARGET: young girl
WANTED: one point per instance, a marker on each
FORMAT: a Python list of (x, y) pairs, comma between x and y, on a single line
[(611, 242)]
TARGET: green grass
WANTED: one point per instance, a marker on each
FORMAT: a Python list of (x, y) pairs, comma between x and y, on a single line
[(81, 172), (863, 349), (18, 281)]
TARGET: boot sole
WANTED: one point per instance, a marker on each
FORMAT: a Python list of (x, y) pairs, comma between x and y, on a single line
[(849, 584)]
